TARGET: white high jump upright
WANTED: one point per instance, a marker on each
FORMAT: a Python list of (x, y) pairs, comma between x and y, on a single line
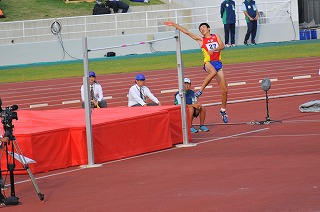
[(86, 85), (87, 104), (182, 94)]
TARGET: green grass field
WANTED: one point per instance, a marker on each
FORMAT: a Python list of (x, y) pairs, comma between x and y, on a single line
[(17, 10), (160, 61)]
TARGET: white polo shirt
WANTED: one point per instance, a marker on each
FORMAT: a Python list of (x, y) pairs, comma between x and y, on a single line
[(134, 95), (97, 90)]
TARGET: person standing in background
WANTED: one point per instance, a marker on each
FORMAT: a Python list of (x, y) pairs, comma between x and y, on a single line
[(250, 11), (228, 15)]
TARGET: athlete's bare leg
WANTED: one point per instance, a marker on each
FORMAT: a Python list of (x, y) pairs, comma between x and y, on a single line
[(223, 87), (202, 115), (191, 114), (211, 74)]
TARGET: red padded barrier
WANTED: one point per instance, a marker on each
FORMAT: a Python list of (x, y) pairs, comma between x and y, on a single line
[(56, 139)]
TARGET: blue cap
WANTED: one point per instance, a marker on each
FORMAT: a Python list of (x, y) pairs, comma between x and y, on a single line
[(92, 74), (140, 77)]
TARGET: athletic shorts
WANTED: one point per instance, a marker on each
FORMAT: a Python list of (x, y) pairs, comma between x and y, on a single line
[(216, 64)]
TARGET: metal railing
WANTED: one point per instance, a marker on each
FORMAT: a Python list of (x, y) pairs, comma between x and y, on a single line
[(147, 22)]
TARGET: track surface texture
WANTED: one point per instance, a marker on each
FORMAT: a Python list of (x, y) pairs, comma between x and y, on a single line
[(239, 166)]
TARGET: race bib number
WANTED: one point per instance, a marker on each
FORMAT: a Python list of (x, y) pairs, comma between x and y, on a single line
[(211, 46)]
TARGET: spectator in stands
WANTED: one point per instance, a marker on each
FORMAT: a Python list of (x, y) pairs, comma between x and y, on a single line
[(250, 11), (138, 94), (116, 5), (195, 108), (228, 15), (96, 93)]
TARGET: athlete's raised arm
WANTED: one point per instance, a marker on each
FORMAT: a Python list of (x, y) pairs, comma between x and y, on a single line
[(184, 30)]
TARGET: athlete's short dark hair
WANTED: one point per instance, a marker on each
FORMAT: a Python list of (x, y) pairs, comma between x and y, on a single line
[(206, 24)]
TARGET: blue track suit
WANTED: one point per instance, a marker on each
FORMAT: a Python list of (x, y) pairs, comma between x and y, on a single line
[(251, 8), (228, 15)]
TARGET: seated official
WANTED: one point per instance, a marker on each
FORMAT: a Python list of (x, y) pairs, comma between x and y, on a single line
[(138, 94), (96, 93), (195, 109), (116, 5)]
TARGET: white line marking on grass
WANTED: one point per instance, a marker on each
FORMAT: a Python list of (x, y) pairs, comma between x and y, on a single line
[(235, 135), (301, 77), (170, 91), (39, 105), (236, 83)]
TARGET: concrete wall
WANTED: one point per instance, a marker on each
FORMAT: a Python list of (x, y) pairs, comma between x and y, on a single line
[(52, 51)]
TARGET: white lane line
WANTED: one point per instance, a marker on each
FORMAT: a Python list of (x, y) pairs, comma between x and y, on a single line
[(170, 91), (263, 98), (137, 156), (235, 135), (197, 88), (70, 102), (271, 80), (39, 105), (236, 83), (43, 89), (301, 77), (107, 97)]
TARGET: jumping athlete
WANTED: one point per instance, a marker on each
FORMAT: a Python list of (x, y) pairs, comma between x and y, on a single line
[(211, 46)]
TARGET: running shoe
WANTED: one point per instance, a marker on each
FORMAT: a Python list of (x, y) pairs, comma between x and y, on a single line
[(193, 130), (245, 43), (228, 45), (203, 129), (253, 42), (224, 116), (198, 93), (233, 45)]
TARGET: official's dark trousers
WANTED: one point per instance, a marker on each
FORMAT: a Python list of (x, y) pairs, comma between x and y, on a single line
[(252, 30), (229, 31), (102, 104), (149, 104)]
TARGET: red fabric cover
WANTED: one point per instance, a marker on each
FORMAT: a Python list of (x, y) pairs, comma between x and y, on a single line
[(176, 125), (56, 139)]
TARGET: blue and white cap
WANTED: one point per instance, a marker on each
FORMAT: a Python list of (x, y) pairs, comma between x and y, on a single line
[(187, 80)]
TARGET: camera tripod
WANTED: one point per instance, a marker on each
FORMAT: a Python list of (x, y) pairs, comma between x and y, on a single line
[(16, 153)]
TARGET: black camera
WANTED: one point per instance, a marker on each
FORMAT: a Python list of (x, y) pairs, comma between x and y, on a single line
[(7, 115)]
